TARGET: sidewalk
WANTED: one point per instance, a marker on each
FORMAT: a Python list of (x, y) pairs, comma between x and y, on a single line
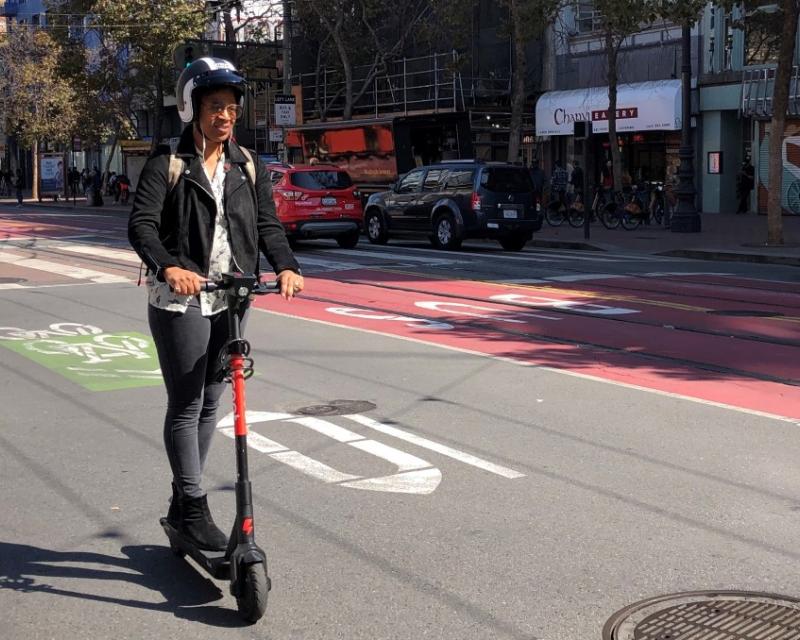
[(724, 236)]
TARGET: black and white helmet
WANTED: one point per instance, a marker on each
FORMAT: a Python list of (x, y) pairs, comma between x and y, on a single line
[(211, 73)]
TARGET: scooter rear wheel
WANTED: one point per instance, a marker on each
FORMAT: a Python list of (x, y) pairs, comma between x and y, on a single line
[(252, 602)]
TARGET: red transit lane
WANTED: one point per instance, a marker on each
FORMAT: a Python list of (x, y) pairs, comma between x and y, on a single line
[(603, 335)]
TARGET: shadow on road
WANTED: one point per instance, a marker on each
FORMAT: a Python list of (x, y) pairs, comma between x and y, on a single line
[(186, 592)]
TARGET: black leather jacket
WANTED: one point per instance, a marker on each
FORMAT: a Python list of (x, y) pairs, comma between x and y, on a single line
[(177, 228)]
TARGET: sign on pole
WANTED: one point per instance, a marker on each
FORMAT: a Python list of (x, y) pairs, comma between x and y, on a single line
[(275, 135), (285, 115)]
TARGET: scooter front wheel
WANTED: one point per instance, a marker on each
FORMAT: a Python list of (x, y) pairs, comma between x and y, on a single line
[(252, 602)]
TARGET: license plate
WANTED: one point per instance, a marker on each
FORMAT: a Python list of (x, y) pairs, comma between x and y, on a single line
[(328, 202), (510, 213)]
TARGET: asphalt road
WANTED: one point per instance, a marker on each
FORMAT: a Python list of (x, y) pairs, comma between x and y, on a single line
[(513, 476)]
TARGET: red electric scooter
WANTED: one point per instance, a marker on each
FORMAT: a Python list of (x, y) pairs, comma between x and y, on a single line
[(243, 563)]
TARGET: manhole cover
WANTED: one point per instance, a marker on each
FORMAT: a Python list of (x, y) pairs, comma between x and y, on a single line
[(708, 615), (337, 408), (11, 280), (745, 313)]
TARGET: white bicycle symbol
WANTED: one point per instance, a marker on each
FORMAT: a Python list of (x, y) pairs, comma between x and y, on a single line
[(56, 329), (100, 350)]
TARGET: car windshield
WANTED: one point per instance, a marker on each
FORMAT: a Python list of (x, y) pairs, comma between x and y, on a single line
[(320, 180), (506, 180)]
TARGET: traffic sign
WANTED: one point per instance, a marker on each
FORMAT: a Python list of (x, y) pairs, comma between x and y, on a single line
[(285, 115)]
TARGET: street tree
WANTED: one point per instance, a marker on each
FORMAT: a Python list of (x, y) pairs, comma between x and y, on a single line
[(780, 103), (150, 32), (528, 20), (368, 32), (36, 103)]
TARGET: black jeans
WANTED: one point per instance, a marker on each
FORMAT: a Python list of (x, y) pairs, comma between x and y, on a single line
[(189, 347)]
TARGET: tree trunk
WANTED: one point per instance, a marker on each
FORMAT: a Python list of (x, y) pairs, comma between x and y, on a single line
[(347, 68), (616, 158), (780, 103), (230, 32), (35, 174), (517, 84), (159, 110), (114, 142)]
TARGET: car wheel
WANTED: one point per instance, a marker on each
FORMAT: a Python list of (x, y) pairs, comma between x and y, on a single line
[(348, 240), (445, 232), (377, 232), (513, 243)]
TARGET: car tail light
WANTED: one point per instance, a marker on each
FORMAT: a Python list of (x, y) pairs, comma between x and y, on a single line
[(476, 202), (293, 195)]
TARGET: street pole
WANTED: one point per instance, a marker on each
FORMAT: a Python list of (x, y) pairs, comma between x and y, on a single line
[(686, 218), (287, 64)]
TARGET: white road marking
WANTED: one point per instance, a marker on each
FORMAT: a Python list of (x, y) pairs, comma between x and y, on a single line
[(555, 303), (390, 255), (414, 475), (498, 315), (62, 269), (116, 254), (330, 265), (419, 441)]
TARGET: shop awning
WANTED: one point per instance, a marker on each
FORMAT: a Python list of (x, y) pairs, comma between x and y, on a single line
[(641, 106)]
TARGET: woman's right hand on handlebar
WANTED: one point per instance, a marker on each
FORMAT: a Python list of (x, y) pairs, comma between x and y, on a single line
[(182, 281)]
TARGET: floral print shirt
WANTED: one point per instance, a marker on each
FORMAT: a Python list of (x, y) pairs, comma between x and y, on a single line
[(219, 261)]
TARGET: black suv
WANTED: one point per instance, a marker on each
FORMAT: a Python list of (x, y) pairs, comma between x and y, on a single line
[(451, 201)]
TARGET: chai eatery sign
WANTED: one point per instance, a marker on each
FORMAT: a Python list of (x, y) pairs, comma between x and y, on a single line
[(644, 106)]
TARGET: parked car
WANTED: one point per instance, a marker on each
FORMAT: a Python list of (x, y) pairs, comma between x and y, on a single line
[(317, 201), (454, 200)]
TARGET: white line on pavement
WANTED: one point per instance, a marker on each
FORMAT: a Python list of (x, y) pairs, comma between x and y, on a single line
[(466, 458), (102, 252), (61, 269)]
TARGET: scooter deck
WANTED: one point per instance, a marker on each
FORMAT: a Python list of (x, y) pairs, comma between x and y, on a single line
[(215, 562)]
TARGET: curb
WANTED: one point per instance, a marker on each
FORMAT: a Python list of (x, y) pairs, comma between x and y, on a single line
[(731, 256), (563, 244)]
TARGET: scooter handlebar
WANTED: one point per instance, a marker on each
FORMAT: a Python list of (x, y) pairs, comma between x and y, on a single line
[(262, 288)]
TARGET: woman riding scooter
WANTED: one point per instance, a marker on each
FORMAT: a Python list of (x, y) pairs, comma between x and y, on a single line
[(189, 227)]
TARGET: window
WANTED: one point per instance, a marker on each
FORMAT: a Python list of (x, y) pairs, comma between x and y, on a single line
[(587, 18), (410, 183), (434, 179), (275, 176), (321, 180), (460, 179), (506, 180)]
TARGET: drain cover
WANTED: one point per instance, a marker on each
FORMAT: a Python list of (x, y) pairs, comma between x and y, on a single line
[(744, 313), (708, 615), (337, 408)]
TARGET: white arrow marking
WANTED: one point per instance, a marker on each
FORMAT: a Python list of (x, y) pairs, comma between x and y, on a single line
[(414, 475), (466, 458)]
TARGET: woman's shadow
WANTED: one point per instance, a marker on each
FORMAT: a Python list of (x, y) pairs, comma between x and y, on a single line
[(186, 593)]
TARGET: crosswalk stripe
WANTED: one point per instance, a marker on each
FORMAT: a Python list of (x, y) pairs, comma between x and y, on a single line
[(61, 269), (102, 252), (389, 255)]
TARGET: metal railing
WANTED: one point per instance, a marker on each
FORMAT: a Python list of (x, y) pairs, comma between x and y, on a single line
[(405, 85), (758, 86)]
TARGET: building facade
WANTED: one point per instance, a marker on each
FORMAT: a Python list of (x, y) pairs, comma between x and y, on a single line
[(733, 58)]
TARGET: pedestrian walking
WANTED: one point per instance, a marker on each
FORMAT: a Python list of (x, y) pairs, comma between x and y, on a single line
[(19, 184), (745, 181), (191, 223), (538, 179), (576, 179)]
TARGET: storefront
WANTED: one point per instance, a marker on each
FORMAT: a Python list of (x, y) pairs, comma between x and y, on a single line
[(648, 123)]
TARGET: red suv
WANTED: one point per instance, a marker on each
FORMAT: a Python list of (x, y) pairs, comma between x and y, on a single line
[(317, 201)]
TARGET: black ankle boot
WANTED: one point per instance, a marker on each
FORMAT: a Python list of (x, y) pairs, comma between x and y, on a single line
[(174, 513), (198, 525)]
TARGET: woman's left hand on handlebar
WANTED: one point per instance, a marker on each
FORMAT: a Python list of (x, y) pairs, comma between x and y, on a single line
[(291, 283)]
